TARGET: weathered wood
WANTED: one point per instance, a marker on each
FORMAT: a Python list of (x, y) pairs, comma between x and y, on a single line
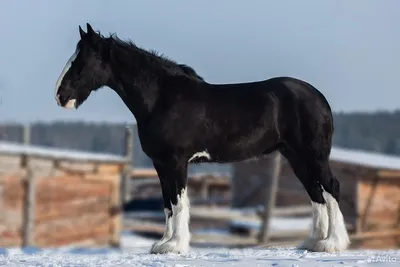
[(378, 205), (125, 183), (72, 229), (376, 234), (140, 173), (109, 169), (72, 167), (13, 194), (10, 239), (69, 195), (73, 236), (389, 174), (223, 214), (270, 199), (29, 205), (42, 167), (10, 164), (292, 211), (139, 226), (56, 192), (382, 239), (98, 178), (53, 210), (72, 223), (116, 214)]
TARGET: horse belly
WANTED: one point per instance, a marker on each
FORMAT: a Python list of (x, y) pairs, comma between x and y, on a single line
[(245, 147)]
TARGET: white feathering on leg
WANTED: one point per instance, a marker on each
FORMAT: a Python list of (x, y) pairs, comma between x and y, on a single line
[(179, 242), (319, 227), (167, 232), (338, 238)]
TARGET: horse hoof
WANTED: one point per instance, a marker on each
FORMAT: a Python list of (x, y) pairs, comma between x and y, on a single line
[(171, 246), (330, 245)]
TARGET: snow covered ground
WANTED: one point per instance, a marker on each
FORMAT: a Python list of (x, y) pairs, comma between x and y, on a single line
[(135, 253)]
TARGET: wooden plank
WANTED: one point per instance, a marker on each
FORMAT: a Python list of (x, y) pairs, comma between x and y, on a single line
[(111, 178), (9, 164), (116, 214), (13, 193), (108, 168), (291, 211), (217, 213), (140, 226), (375, 234), (94, 230), (42, 167), (59, 181), (125, 182), (388, 174), (68, 209), (72, 158), (73, 167), (68, 225), (222, 214), (140, 173), (67, 192), (378, 205), (10, 241), (203, 212)]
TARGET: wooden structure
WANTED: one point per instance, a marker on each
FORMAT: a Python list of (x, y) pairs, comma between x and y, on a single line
[(202, 188), (52, 197), (370, 193)]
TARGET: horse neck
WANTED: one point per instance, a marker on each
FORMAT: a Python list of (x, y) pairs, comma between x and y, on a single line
[(135, 87)]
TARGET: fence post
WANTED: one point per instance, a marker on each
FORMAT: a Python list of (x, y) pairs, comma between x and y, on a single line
[(125, 183), (26, 135), (269, 205), (29, 196)]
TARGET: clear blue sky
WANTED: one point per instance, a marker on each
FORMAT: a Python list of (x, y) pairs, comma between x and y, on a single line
[(350, 50)]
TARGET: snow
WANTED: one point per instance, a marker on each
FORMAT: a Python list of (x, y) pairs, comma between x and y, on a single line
[(359, 157), (10, 148), (134, 252), (277, 224)]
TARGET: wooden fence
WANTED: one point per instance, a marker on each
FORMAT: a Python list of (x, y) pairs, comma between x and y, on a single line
[(52, 197)]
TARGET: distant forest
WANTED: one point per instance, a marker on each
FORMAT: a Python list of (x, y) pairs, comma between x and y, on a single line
[(378, 131)]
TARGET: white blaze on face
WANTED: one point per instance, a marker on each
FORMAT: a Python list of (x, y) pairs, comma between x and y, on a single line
[(71, 103)]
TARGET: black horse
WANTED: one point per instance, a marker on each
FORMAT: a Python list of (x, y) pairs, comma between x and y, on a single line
[(183, 119)]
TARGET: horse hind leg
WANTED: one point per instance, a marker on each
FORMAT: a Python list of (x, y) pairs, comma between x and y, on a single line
[(320, 222), (338, 238), (329, 233)]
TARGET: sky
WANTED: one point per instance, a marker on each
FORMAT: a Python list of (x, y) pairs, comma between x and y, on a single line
[(349, 50)]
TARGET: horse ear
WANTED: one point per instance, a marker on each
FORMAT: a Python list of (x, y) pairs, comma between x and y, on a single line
[(89, 28), (93, 36), (81, 32)]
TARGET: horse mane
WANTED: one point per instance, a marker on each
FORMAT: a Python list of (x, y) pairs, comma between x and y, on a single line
[(153, 58)]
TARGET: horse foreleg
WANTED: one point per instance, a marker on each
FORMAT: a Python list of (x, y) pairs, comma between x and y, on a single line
[(180, 239), (166, 193)]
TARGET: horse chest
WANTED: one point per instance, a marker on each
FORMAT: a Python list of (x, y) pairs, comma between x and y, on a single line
[(157, 141)]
